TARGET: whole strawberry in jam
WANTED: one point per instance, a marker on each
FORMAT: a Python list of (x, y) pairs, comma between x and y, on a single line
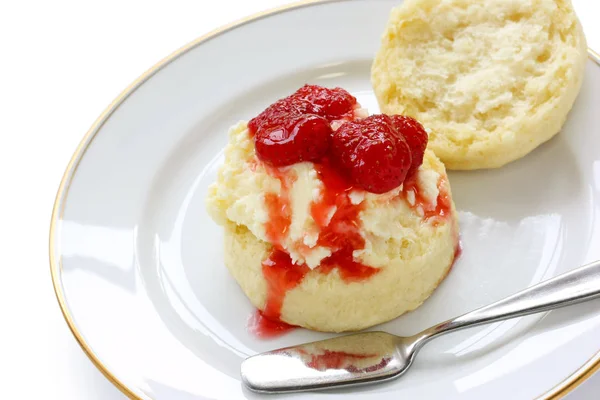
[(335, 103), (375, 156), (297, 128), (277, 113), (416, 138), (298, 138), (376, 153)]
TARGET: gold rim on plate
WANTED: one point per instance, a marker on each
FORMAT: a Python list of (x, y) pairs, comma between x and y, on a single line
[(559, 391)]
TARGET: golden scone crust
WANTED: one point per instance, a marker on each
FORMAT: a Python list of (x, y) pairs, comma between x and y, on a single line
[(490, 80), (418, 263)]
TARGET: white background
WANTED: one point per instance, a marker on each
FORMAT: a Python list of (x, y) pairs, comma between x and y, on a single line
[(62, 62)]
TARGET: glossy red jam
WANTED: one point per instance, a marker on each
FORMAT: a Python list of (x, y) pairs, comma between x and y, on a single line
[(266, 328), (334, 360), (281, 275), (279, 208), (297, 128), (376, 154), (439, 211), (372, 153)]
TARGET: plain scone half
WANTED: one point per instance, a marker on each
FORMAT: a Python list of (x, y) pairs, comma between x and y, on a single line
[(490, 80)]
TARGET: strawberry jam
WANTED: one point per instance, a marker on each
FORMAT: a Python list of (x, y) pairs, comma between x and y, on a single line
[(279, 207), (338, 220), (281, 275), (376, 154), (266, 328), (439, 211), (335, 360), (297, 128), (372, 153)]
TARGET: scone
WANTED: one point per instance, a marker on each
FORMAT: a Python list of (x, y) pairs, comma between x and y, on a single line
[(333, 220), (490, 80)]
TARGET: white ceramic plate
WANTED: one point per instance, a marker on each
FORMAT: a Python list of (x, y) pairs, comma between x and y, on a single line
[(138, 265)]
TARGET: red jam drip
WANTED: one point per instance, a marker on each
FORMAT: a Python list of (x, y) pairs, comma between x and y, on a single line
[(279, 207), (458, 251), (266, 328), (349, 270), (439, 212), (281, 275), (338, 232), (336, 185), (443, 207)]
